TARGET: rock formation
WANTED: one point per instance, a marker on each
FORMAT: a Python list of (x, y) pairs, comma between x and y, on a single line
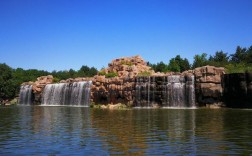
[(208, 86), (112, 90), (39, 85), (128, 67), (130, 77)]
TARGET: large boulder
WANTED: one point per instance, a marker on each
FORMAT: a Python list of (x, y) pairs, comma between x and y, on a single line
[(39, 85), (208, 80)]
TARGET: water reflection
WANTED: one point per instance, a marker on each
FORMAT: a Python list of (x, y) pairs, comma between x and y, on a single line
[(67, 130)]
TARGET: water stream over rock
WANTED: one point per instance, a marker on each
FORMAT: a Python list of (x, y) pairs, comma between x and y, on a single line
[(76, 93), (167, 91), (25, 95)]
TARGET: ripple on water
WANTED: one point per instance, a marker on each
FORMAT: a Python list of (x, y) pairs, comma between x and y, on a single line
[(84, 131)]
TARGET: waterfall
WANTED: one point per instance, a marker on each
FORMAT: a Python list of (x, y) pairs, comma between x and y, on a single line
[(179, 91), (166, 91), (175, 91), (143, 85), (190, 91), (77, 93), (25, 95)]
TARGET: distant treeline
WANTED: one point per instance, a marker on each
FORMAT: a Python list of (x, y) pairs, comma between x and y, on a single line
[(239, 61), (11, 79)]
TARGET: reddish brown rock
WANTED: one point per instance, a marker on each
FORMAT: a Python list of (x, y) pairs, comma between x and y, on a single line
[(208, 84), (127, 67)]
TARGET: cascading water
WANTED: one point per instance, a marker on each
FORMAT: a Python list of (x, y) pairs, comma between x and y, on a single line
[(190, 91), (166, 91), (145, 91), (77, 93), (25, 95), (179, 91), (175, 91)]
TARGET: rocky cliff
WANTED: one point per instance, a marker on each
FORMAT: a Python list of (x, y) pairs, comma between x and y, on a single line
[(208, 84), (39, 85)]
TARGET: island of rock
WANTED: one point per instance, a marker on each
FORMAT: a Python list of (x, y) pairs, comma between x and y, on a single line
[(130, 81)]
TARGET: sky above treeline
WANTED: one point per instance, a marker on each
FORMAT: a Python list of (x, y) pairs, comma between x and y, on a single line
[(63, 34)]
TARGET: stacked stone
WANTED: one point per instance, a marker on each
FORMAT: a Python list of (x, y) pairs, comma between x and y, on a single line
[(27, 83), (208, 86), (78, 79), (39, 85), (112, 90), (128, 67)]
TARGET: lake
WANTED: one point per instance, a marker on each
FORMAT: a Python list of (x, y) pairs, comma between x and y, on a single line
[(43, 130)]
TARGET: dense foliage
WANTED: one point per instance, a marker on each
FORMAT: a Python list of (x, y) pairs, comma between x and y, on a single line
[(7, 84), (176, 64), (239, 61)]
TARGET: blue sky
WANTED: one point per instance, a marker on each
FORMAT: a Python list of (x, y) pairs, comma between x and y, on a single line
[(63, 34)]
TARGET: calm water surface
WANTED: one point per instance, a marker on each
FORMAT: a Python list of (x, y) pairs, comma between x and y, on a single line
[(83, 131)]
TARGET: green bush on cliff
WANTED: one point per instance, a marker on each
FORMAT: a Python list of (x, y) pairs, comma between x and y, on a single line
[(145, 73), (101, 73), (56, 80), (238, 68), (127, 63), (111, 74), (107, 75)]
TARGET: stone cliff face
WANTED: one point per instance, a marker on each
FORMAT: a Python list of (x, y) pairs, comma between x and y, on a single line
[(124, 87), (39, 85), (112, 90), (208, 88)]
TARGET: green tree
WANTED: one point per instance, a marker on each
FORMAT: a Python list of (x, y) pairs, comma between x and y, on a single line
[(249, 55), (161, 67), (174, 65), (200, 60), (7, 86), (179, 64), (240, 55), (93, 71), (153, 66), (219, 59), (86, 71), (72, 73)]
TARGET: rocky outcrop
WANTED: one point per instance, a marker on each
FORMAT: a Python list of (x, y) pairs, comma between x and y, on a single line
[(112, 90), (208, 88), (128, 67), (130, 81), (27, 83), (118, 89), (39, 85)]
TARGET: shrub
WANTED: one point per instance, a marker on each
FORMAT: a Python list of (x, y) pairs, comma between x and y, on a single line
[(145, 73), (56, 80), (127, 63), (238, 68), (112, 74), (101, 73)]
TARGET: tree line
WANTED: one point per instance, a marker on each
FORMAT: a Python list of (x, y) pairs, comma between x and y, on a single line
[(239, 61), (11, 79)]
